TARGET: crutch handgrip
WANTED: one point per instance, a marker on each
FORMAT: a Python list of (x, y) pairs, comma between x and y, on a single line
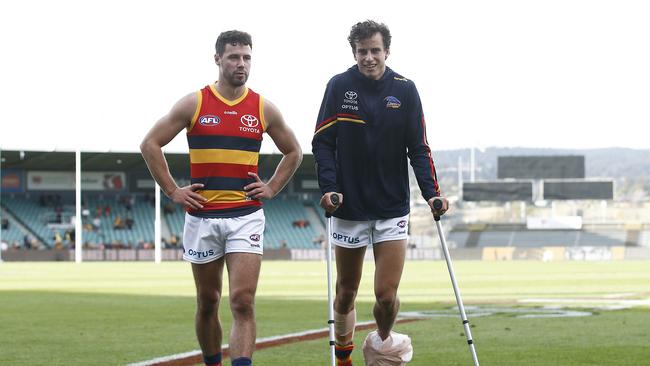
[(334, 198), (437, 205)]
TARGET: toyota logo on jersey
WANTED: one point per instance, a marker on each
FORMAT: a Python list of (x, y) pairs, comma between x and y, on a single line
[(250, 123), (249, 120)]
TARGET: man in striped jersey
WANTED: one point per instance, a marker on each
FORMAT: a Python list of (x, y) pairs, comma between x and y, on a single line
[(224, 223), (370, 123)]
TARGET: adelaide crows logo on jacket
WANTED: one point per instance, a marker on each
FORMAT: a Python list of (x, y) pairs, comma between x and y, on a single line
[(392, 102)]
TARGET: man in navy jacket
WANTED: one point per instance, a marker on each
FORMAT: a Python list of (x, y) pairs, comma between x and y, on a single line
[(370, 122)]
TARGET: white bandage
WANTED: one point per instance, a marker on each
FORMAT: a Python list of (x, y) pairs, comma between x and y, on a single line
[(392, 351), (344, 323)]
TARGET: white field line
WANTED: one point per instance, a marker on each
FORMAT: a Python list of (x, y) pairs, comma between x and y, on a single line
[(169, 358), (588, 302), (259, 342)]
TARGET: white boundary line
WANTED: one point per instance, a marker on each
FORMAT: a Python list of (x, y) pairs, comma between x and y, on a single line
[(175, 357), (259, 342), (586, 302)]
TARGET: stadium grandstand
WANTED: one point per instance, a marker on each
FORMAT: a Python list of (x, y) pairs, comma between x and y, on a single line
[(118, 211), (118, 204)]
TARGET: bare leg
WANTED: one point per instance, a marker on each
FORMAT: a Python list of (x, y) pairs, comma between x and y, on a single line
[(389, 263), (208, 279), (349, 266), (243, 273)]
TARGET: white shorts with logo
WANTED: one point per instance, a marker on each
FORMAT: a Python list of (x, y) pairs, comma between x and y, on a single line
[(357, 234), (206, 240)]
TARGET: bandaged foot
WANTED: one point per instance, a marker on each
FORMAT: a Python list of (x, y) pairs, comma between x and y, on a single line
[(396, 350)]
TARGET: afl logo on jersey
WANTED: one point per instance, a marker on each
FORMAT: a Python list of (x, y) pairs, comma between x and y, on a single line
[(402, 224), (209, 120)]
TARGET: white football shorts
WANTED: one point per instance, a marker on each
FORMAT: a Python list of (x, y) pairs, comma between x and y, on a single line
[(206, 240), (357, 234)]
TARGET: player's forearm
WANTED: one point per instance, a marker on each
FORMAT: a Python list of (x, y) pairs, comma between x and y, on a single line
[(326, 177), (425, 172), (323, 149), (285, 170), (158, 167)]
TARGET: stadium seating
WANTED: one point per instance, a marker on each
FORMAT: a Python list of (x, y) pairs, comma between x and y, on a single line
[(36, 217), (290, 223), (457, 239), (602, 238), (280, 230), (495, 238), (281, 213), (538, 238), (174, 217), (13, 234), (141, 212), (545, 238)]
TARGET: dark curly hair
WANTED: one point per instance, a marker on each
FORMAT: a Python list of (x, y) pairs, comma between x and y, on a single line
[(232, 37), (367, 29)]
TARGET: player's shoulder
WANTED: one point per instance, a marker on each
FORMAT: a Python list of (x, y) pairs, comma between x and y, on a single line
[(252, 92), (400, 79), (339, 79), (189, 101)]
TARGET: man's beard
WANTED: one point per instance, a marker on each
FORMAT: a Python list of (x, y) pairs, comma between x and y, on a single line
[(236, 81)]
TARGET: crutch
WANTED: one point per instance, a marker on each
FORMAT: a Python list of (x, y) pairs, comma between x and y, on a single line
[(437, 205), (334, 198)]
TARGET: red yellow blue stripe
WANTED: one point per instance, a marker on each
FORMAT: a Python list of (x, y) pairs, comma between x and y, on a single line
[(341, 117)]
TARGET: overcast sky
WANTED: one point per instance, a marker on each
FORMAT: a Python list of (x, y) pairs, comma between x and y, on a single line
[(97, 75)]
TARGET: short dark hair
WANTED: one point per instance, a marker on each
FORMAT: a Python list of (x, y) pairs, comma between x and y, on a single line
[(232, 37), (367, 29)]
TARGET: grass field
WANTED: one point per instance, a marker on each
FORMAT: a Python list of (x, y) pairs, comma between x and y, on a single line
[(118, 313)]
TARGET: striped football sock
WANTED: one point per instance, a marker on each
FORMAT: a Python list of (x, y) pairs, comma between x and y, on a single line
[(343, 354)]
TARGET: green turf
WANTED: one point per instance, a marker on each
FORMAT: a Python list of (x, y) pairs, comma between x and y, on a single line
[(117, 313), (611, 338)]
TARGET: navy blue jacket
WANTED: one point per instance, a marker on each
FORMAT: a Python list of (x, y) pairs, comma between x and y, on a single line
[(366, 129)]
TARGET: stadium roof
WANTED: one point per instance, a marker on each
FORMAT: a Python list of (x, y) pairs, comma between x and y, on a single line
[(38, 160), (123, 161)]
